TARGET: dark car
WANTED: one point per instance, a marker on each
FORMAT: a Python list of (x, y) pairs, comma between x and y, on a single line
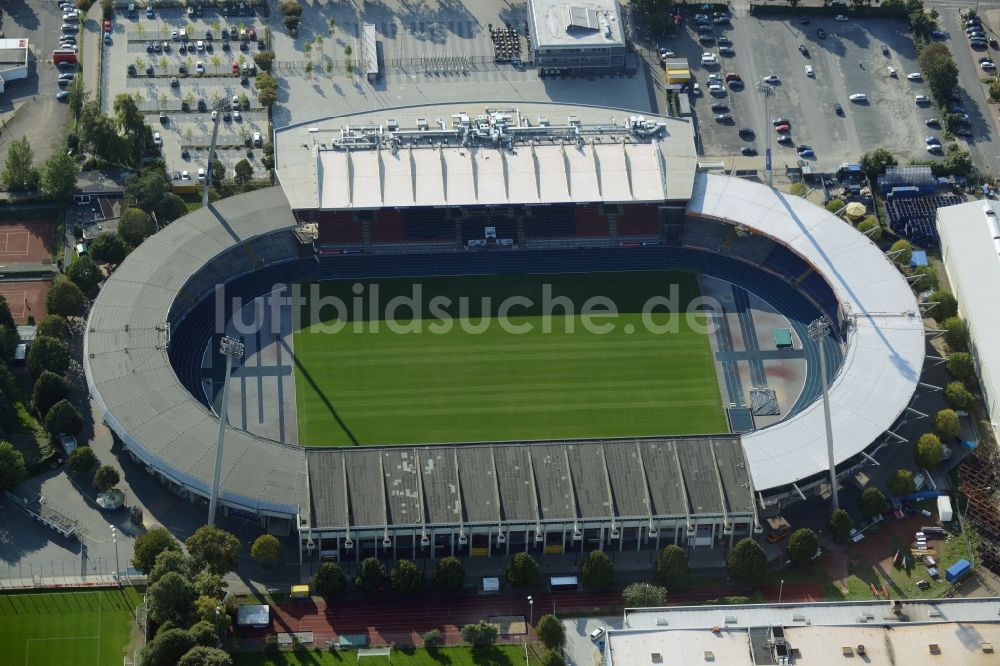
[(821, 33), (174, 83), (721, 41), (962, 131), (149, 47), (163, 118), (182, 69), (724, 118), (748, 151), (707, 40), (208, 35), (202, 106), (781, 121), (803, 50), (720, 108), (150, 72), (233, 32), (838, 109), (746, 132), (225, 46), (131, 70)]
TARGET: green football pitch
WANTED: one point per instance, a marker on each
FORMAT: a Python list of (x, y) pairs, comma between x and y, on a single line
[(414, 375), (57, 628)]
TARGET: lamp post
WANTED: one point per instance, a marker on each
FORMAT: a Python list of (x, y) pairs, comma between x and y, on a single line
[(781, 588), (818, 330), (114, 537), (767, 92), (531, 611), (230, 348)]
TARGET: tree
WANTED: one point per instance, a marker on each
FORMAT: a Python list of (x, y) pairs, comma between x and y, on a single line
[(49, 389), (167, 561), (214, 548), (480, 635), (218, 173), (448, 575), (550, 631), (170, 599), (59, 175), (552, 658), (597, 570), (901, 483), (209, 584), (134, 226), (132, 124), (644, 595), (8, 342), (929, 279), (672, 566), (264, 60), (946, 424), (432, 638), (870, 224), (108, 249), (802, 546), (928, 452), (6, 319), (746, 562), (12, 468), (150, 544), (947, 306), (871, 503), (839, 525), (48, 354), (292, 23), (106, 477), (209, 609), (371, 576), (201, 655), (834, 205), (64, 419), (65, 298), (956, 334), (267, 89), (150, 188), (266, 549), (939, 69), (82, 460), (905, 250), (54, 326), (959, 365), (406, 578), (19, 174), (204, 633), (522, 570), (243, 173), (876, 162), (84, 273), (329, 581), (167, 648), (959, 397)]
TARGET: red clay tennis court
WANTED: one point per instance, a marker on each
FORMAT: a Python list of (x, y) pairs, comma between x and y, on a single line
[(26, 298), (26, 242)]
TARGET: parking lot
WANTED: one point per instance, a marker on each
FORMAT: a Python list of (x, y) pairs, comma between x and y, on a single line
[(179, 67), (853, 57)]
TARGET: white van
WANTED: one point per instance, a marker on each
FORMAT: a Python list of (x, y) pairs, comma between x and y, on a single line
[(597, 633)]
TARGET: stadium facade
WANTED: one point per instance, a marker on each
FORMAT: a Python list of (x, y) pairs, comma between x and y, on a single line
[(442, 182)]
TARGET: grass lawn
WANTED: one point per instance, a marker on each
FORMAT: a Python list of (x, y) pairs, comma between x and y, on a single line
[(450, 383), (80, 628), (500, 655)]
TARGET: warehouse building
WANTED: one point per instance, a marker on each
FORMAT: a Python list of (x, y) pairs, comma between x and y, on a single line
[(576, 37)]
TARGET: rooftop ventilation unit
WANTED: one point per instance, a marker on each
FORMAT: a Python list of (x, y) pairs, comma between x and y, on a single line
[(421, 123), (662, 622), (934, 648)]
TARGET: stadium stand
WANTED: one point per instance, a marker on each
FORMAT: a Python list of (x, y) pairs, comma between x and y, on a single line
[(638, 220), (591, 221), (387, 227), (338, 227), (426, 224), (555, 221)]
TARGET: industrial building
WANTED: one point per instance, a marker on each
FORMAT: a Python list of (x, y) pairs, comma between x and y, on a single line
[(576, 37), (14, 55)]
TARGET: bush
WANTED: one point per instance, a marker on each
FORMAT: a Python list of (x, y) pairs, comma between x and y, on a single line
[(82, 460), (264, 60), (672, 566), (12, 467), (432, 638), (871, 503), (63, 419), (371, 576), (644, 595), (552, 658), (901, 483), (204, 633), (946, 424), (798, 189), (834, 205), (266, 549), (448, 575), (329, 581), (959, 365), (49, 389), (928, 452), (522, 570), (947, 305), (201, 655), (958, 396), (48, 354), (802, 546), (167, 647), (956, 334), (840, 525), (406, 578), (150, 544), (106, 477), (597, 571), (868, 224), (905, 250), (550, 632), (480, 635), (746, 562)]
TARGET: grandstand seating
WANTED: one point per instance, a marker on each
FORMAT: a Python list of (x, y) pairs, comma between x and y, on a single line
[(705, 233), (424, 224), (338, 227), (387, 227), (591, 221), (554, 221), (474, 228), (914, 217), (638, 220)]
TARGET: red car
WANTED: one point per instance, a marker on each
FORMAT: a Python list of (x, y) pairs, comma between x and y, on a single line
[(732, 76), (107, 25), (783, 128), (236, 67)]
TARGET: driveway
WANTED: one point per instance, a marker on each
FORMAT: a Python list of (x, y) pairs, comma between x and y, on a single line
[(580, 650)]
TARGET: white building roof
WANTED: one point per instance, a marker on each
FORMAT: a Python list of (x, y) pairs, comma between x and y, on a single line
[(536, 153), (972, 259), (885, 346), (575, 23)]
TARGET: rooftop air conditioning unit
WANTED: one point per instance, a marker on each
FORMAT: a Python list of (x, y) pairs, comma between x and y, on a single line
[(861, 650)]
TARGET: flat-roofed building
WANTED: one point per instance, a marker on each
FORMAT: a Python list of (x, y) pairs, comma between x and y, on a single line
[(577, 36), (13, 61)]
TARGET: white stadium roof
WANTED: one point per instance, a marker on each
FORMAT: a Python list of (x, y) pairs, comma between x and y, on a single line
[(495, 155), (885, 348)]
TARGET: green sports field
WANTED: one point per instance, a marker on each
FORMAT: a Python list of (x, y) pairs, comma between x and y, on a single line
[(445, 380), (91, 628)]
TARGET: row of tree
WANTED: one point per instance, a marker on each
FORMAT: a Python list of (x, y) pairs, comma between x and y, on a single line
[(56, 177)]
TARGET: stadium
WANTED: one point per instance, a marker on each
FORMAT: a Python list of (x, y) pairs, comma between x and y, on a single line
[(557, 409)]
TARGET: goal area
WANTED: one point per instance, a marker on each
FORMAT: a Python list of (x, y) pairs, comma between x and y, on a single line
[(379, 655)]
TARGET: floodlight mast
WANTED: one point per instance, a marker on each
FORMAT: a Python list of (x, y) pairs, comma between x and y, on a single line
[(767, 92), (230, 348), (818, 330)]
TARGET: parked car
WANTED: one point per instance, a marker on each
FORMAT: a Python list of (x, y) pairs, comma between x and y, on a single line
[(199, 67), (237, 116), (915, 76), (809, 71), (932, 140), (149, 12), (781, 121), (988, 65), (858, 97), (257, 140), (157, 140), (807, 153), (892, 71), (746, 132), (772, 79), (921, 99), (840, 17), (748, 151), (838, 109), (62, 95), (719, 107), (783, 128), (724, 118)]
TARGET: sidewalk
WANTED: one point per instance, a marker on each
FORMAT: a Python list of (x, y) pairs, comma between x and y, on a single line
[(90, 51)]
